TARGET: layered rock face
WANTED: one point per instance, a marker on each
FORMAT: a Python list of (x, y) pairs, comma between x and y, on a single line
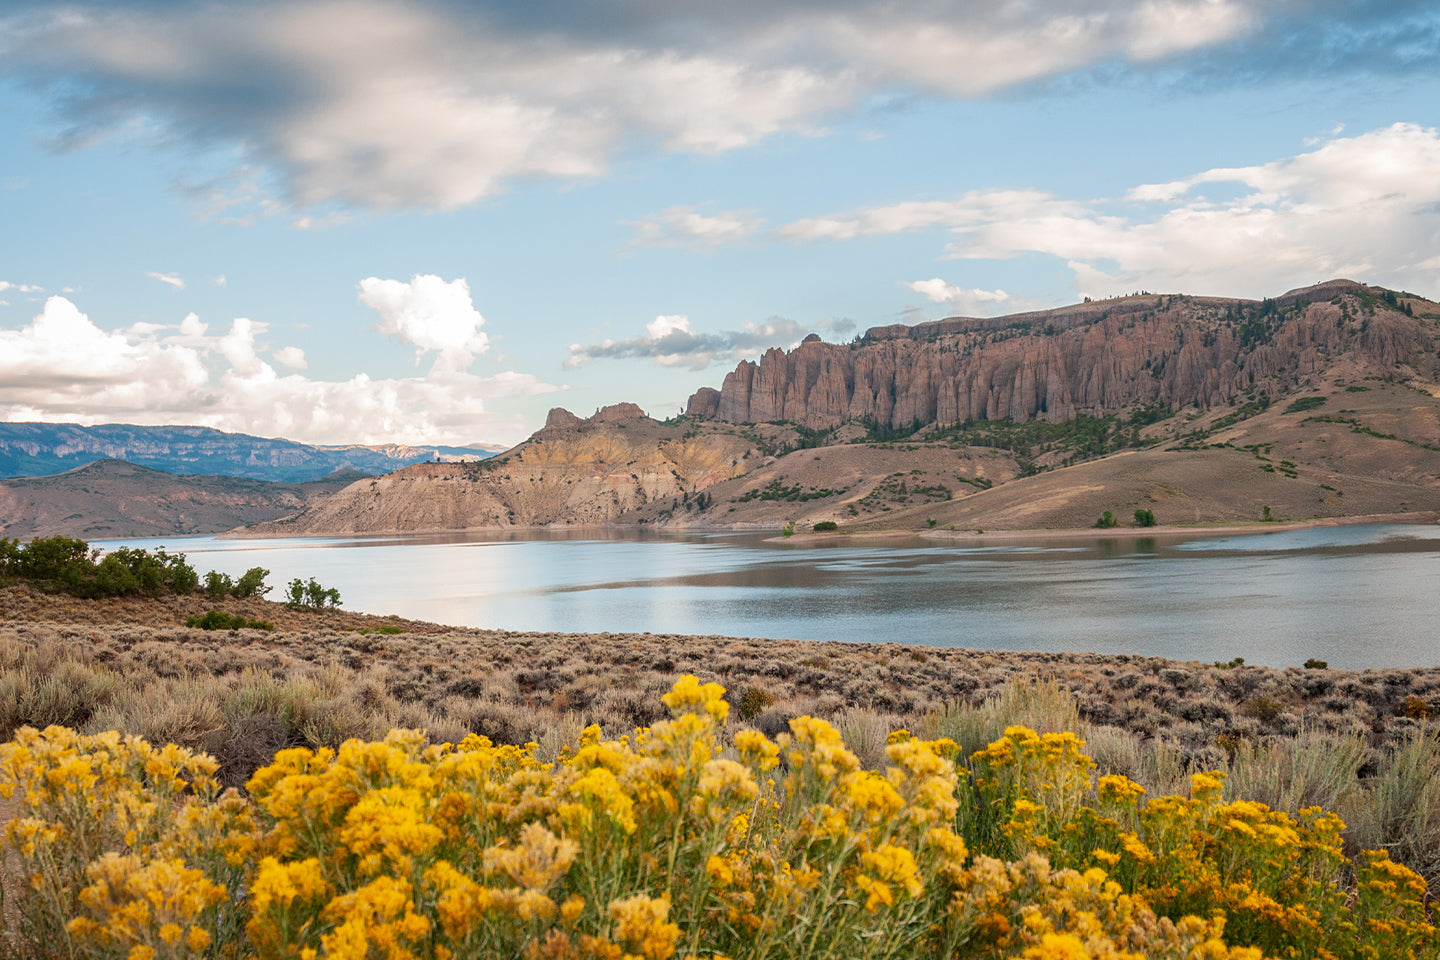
[(573, 471), (1094, 358)]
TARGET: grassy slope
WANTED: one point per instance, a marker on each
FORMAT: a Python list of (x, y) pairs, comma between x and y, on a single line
[(1359, 453)]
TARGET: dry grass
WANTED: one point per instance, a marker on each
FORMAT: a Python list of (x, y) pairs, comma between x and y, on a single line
[(323, 675), (1355, 741)]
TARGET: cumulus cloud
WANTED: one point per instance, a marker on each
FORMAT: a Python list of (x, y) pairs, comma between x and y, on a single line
[(62, 367), (292, 357), (439, 103), (170, 279), (430, 314), (969, 301), (686, 226), (669, 341), (1364, 207)]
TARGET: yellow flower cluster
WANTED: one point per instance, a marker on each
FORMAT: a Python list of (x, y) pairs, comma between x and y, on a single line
[(676, 841), (159, 909)]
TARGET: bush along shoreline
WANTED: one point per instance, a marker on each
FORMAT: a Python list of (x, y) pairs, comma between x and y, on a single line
[(680, 840), (70, 566)]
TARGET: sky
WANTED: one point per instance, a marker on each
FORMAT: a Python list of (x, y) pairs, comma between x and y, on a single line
[(430, 221)]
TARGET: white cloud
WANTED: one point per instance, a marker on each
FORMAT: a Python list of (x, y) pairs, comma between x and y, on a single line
[(167, 278), (62, 367), (666, 324), (1365, 207), (979, 206), (64, 363), (968, 301), (20, 287), (292, 357), (431, 314), (409, 102), (977, 51), (679, 226), (220, 281)]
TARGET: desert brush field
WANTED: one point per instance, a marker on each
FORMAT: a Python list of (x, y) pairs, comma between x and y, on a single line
[(342, 785), (193, 770)]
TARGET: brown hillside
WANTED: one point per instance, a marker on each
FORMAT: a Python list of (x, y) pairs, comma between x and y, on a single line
[(1363, 449), (572, 472), (111, 498)]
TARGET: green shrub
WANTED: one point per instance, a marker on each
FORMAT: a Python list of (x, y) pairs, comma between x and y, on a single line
[(1144, 518), (51, 563), (1264, 707), (825, 526), (311, 594), (218, 585), (68, 565), (1313, 664), (1106, 521), (1305, 403), (251, 583), (753, 702), (220, 620)]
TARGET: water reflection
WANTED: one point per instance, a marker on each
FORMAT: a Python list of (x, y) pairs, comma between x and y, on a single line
[(1355, 596)]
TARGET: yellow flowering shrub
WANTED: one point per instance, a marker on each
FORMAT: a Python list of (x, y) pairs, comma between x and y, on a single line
[(675, 841)]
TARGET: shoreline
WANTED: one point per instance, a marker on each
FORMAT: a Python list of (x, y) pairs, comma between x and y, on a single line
[(1170, 532)]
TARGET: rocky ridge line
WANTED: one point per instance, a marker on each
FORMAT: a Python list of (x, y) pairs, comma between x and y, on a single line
[(1093, 359)]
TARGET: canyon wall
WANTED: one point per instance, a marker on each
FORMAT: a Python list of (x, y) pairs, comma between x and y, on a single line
[(1094, 358)]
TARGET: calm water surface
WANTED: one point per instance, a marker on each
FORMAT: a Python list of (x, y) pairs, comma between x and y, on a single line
[(1356, 596)]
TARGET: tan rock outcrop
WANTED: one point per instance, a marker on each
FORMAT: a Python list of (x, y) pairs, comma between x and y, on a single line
[(572, 472), (1095, 358)]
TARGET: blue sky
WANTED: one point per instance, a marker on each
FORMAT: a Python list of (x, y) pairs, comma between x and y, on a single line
[(432, 220)]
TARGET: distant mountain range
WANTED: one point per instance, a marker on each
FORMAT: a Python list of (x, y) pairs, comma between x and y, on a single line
[(42, 449), (113, 499)]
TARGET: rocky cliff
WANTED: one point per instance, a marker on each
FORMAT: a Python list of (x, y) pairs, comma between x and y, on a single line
[(573, 471), (1094, 358)]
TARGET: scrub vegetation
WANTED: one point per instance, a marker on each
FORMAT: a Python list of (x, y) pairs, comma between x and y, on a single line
[(1362, 743), (194, 771), (689, 838)]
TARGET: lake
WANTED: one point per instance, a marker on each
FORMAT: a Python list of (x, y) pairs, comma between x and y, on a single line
[(1354, 596)]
